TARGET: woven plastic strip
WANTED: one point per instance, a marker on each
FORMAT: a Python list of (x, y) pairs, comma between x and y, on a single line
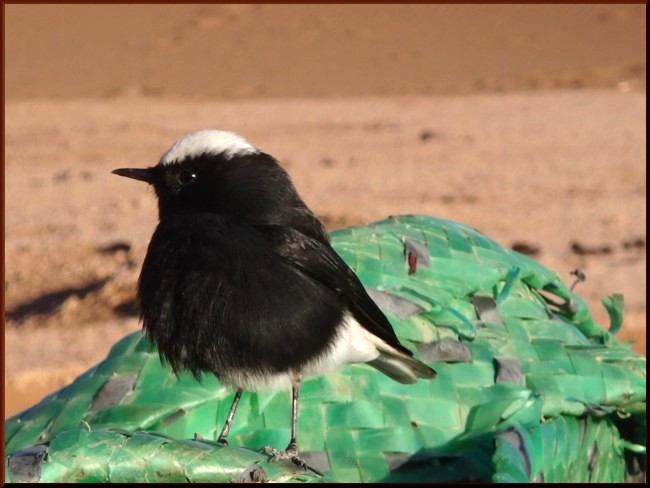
[(529, 356), (564, 450), (104, 456)]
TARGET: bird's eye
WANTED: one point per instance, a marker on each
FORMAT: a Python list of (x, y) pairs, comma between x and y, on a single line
[(186, 176)]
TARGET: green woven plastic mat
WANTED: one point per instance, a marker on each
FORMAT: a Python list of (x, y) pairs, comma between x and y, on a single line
[(529, 388)]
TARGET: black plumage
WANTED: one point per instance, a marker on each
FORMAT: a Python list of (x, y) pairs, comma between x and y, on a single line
[(215, 297), (240, 280)]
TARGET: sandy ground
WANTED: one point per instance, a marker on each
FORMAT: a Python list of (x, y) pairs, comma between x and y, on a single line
[(528, 124), (243, 51)]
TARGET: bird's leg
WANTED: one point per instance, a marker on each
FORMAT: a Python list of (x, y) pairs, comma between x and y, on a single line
[(292, 448), (291, 452), (226, 427)]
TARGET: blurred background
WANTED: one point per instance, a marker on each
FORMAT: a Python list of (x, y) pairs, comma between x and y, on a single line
[(527, 122), (252, 51)]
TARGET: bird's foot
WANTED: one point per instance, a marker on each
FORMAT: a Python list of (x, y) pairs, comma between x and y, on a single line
[(291, 453), (200, 438)]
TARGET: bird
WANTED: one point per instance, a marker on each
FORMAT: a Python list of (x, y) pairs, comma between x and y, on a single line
[(240, 280)]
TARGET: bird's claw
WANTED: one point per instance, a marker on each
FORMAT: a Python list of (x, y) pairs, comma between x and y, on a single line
[(299, 462), (291, 453)]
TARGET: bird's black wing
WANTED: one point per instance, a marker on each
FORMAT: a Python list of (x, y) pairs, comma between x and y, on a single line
[(318, 260)]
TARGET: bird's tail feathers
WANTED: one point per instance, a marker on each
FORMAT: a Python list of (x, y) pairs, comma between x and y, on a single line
[(400, 367)]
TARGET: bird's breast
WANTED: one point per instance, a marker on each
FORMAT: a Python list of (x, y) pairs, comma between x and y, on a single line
[(215, 298)]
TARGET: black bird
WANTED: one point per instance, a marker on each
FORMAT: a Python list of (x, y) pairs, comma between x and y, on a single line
[(240, 279)]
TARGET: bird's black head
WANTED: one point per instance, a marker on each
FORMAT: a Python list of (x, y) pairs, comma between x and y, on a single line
[(220, 172)]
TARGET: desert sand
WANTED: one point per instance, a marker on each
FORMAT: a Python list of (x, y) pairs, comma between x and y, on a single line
[(527, 123)]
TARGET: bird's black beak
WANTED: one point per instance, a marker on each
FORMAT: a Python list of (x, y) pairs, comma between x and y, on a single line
[(146, 174)]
